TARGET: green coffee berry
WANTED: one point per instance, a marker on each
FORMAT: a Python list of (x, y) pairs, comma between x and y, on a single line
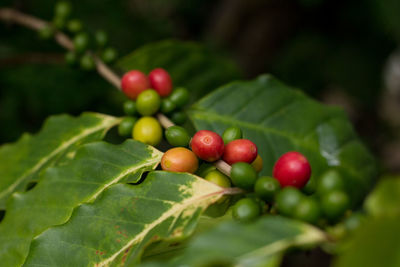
[(87, 62), (178, 117), (179, 96), (307, 210), (101, 38), (205, 168), (246, 209), (46, 32), (62, 9), (74, 25), (330, 181), (126, 126), (310, 187), (130, 107), (109, 55), (287, 200), (81, 42), (266, 188), (334, 204), (243, 175), (232, 133), (148, 102), (167, 106), (218, 178), (59, 23), (177, 136)]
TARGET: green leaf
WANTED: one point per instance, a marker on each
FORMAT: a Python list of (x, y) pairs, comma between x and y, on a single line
[(22, 161), (116, 227), (280, 119), (385, 199), (376, 243), (189, 64), (96, 166), (260, 243), (164, 250)]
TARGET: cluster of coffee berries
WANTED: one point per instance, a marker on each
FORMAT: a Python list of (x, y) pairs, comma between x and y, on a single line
[(291, 192), (150, 94), (85, 46)]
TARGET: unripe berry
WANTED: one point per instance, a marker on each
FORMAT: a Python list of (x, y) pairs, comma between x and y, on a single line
[(46, 32), (133, 83), (109, 55), (207, 145), (126, 126), (257, 163), (178, 117), (87, 62), (59, 22), (243, 175), (179, 159), (167, 106), (334, 204), (101, 38), (147, 130), (62, 8), (148, 102), (292, 169), (246, 209), (74, 25), (130, 107), (160, 81), (218, 178), (177, 136), (81, 42), (232, 133), (240, 150), (180, 96)]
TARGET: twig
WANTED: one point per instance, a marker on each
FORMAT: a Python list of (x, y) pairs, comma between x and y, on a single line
[(107, 73), (12, 15)]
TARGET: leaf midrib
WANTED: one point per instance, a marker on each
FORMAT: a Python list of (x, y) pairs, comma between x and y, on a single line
[(166, 215), (86, 132)]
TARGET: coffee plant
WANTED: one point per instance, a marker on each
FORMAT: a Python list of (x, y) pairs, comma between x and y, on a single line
[(211, 170)]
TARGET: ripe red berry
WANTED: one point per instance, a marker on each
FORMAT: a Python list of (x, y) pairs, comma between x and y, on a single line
[(240, 150), (161, 81), (292, 169), (133, 83), (207, 145)]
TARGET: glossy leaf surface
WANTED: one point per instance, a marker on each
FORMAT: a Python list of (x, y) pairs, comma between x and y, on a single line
[(95, 167), (281, 119)]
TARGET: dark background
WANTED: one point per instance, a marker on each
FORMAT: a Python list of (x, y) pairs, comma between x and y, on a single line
[(340, 52)]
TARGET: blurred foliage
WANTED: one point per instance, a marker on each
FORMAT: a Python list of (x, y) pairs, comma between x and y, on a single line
[(316, 45), (364, 248)]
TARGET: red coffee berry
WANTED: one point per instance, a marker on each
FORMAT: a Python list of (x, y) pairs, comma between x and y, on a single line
[(292, 169), (161, 81), (207, 145), (240, 150), (133, 83)]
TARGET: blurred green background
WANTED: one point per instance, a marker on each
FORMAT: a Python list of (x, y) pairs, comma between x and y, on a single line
[(340, 52)]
